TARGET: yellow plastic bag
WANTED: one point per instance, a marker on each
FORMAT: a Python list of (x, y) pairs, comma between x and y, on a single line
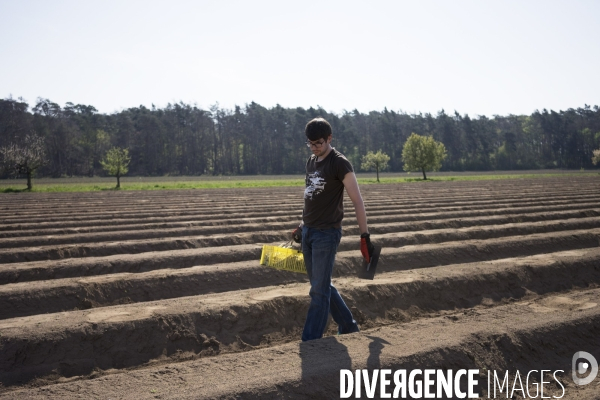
[(280, 257)]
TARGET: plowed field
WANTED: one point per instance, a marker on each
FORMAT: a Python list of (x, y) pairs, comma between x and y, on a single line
[(160, 294)]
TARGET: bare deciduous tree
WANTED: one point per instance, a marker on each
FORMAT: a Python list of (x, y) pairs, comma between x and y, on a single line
[(24, 158)]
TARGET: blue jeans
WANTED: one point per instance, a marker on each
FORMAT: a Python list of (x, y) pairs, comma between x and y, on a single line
[(319, 247)]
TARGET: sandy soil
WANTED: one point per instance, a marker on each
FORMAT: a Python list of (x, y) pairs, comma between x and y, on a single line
[(160, 295), (549, 329)]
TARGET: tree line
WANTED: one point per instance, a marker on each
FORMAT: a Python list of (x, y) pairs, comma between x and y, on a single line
[(183, 139)]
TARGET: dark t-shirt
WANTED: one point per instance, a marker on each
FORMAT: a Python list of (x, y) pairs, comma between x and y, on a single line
[(324, 193)]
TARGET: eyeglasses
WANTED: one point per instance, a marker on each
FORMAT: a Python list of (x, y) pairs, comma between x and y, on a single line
[(316, 145)]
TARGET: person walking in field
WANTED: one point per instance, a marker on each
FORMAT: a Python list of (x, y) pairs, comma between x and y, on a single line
[(328, 172)]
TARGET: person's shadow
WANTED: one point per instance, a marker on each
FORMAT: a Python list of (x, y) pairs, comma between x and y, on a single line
[(375, 347), (323, 359)]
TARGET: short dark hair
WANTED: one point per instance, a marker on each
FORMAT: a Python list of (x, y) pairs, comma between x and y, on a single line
[(317, 128)]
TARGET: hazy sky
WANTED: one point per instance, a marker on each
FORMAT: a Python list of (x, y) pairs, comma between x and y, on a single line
[(478, 57)]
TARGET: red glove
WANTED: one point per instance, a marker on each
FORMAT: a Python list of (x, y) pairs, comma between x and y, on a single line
[(297, 234), (366, 248)]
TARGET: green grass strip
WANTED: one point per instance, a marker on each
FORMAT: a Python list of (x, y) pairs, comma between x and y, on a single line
[(451, 178), (237, 182), (157, 185)]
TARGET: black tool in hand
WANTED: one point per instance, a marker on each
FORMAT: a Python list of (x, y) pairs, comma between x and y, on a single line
[(370, 254)]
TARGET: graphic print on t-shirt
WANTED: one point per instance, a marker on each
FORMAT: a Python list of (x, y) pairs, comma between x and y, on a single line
[(316, 185)]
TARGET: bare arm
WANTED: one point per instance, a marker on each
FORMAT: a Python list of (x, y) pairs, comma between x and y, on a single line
[(351, 186)]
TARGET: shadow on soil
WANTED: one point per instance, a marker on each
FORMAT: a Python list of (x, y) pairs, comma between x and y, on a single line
[(319, 358), (11, 190)]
